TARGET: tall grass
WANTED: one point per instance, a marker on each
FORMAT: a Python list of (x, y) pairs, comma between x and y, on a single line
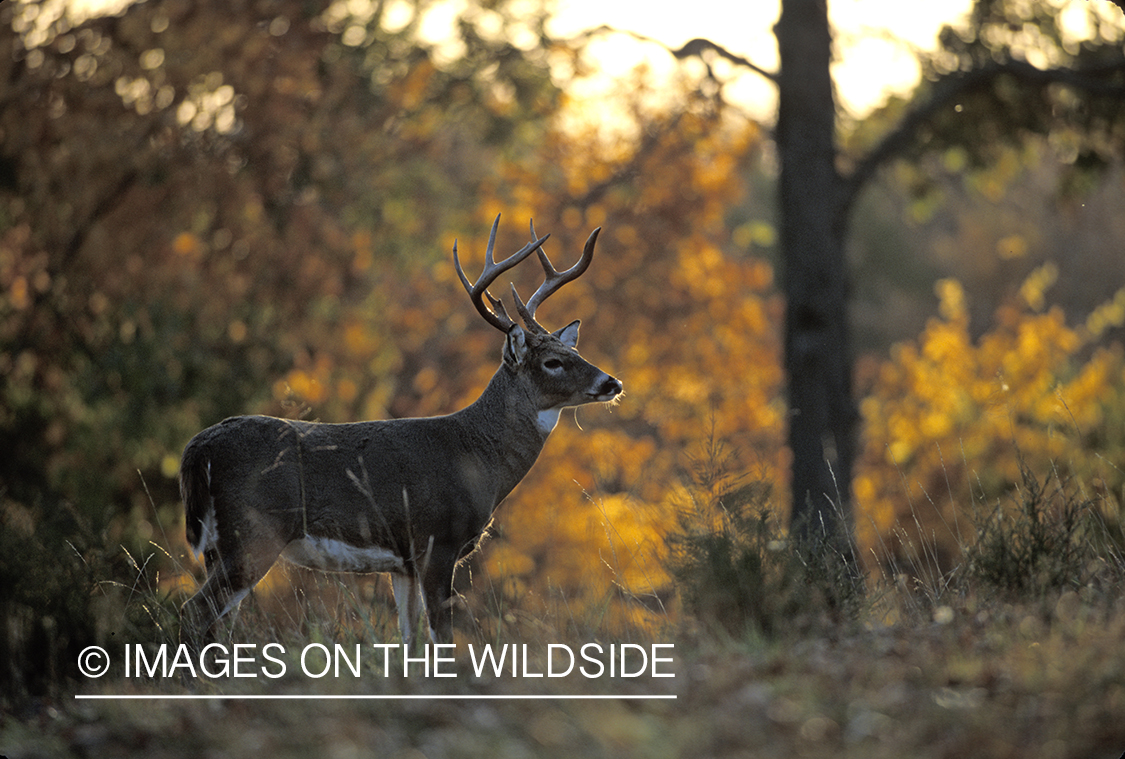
[(1047, 535), (294, 607), (67, 585), (735, 566), (738, 572), (734, 572), (1050, 536)]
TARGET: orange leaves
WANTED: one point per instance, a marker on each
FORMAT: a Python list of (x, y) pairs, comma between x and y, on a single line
[(309, 385), (18, 293), (187, 245), (561, 529), (359, 340), (23, 273), (670, 307)]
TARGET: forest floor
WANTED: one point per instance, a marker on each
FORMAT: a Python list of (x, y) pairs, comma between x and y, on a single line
[(1043, 679)]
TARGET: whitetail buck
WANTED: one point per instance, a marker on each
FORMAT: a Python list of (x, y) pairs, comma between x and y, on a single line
[(411, 497)]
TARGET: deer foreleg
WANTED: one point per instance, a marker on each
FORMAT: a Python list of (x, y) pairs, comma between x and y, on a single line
[(438, 591), (408, 599)]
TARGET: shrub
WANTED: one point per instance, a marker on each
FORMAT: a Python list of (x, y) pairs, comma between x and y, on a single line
[(734, 566), (1049, 536)]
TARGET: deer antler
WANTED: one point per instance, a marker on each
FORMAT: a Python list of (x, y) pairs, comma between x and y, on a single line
[(554, 279), (496, 316)]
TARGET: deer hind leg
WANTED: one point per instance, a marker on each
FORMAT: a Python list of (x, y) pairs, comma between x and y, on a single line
[(229, 580), (201, 612)]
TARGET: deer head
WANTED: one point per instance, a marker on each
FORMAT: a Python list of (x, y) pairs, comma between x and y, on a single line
[(550, 360)]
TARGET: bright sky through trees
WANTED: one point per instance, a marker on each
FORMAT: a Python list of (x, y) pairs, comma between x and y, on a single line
[(874, 40)]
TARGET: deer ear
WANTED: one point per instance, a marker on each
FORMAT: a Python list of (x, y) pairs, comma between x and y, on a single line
[(569, 334), (515, 347)]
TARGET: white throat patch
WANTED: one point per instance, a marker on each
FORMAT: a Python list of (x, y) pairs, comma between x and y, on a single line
[(548, 419)]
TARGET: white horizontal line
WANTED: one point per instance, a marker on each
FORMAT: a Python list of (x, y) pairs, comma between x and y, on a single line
[(367, 697)]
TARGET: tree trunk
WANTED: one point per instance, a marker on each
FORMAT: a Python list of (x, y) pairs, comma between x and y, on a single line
[(818, 360)]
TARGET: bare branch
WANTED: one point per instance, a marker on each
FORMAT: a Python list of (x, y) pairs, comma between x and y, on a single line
[(692, 48), (947, 90), (698, 46)]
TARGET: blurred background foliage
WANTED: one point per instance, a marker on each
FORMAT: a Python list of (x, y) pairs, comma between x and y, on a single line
[(214, 208)]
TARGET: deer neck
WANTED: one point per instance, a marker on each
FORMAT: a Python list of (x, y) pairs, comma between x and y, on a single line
[(513, 427)]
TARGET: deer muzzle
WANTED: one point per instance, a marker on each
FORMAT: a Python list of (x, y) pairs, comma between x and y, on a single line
[(607, 389)]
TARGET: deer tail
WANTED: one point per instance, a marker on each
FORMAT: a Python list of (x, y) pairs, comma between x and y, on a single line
[(195, 489)]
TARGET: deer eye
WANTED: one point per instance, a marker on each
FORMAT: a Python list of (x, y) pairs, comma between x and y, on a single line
[(552, 364)]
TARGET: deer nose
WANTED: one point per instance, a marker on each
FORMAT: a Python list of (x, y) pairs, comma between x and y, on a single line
[(609, 389)]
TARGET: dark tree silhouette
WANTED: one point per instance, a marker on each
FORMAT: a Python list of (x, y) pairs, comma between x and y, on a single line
[(822, 414)]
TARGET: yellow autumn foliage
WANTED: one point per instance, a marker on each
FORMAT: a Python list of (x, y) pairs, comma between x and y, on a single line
[(948, 419), (670, 306), (690, 323)]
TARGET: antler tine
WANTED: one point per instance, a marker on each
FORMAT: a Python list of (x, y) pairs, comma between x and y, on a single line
[(496, 316), (554, 279), (498, 307)]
